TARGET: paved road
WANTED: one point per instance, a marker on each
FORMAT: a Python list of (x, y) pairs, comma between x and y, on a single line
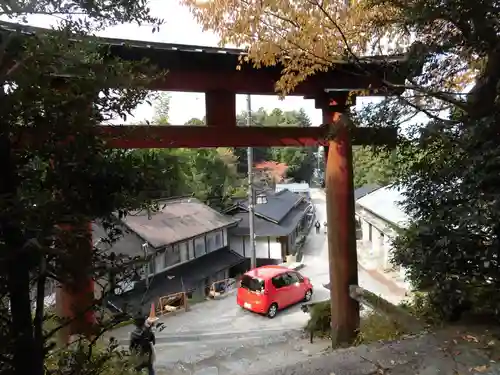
[(220, 337)]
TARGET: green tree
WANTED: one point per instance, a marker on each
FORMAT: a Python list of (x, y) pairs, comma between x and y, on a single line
[(374, 166), (162, 109), (195, 122), (64, 175), (301, 160)]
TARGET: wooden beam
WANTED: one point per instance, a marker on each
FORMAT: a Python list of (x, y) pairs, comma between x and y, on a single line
[(220, 109), (343, 264), (143, 136)]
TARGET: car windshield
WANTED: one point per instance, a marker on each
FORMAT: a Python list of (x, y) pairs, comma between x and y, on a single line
[(252, 284)]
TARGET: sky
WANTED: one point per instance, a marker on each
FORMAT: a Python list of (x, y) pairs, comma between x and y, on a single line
[(180, 27)]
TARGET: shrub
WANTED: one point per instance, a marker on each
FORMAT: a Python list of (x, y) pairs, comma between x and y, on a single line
[(378, 327), (373, 326), (319, 320), (84, 357)]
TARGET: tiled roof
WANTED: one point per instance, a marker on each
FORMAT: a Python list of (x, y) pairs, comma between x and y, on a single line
[(264, 228), (177, 220), (278, 205)]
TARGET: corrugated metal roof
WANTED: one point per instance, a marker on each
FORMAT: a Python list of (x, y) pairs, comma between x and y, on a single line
[(386, 204), (176, 221)]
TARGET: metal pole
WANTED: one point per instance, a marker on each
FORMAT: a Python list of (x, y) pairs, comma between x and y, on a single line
[(251, 214), (146, 268)]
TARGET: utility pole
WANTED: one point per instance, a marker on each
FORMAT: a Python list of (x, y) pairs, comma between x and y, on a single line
[(251, 207)]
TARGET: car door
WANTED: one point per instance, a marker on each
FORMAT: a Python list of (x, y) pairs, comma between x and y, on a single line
[(281, 290), (296, 288)]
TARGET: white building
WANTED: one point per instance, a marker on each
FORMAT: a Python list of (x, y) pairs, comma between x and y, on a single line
[(380, 216), (302, 188)]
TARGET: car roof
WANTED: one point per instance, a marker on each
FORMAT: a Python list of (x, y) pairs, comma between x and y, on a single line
[(267, 272)]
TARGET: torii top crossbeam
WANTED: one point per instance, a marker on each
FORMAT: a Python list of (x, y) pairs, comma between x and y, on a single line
[(213, 71)]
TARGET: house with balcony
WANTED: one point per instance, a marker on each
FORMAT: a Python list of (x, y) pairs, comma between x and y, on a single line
[(281, 221), (185, 245)]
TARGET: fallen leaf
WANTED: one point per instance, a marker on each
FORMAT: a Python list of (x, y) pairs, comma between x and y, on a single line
[(470, 338), (482, 368)]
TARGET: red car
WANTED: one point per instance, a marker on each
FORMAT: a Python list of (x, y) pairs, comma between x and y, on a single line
[(267, 289)]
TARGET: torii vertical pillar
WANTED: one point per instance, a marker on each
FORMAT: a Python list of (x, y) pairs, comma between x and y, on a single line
[(343, 263)]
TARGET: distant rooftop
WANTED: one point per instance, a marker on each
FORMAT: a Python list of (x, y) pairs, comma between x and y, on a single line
[(386, 204), (278, 205), (295, 187), (177, 220), (364, 190)]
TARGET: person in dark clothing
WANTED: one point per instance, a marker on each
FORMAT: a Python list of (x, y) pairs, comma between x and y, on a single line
[(142, 340), (317, 226)]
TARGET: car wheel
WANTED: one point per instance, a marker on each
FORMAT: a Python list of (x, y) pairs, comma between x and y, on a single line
[(308, 295), (273, 310)]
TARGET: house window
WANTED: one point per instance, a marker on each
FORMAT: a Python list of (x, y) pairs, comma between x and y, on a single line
[(261, 199), (199, 247), (172, 256), (218, 240), (152, 266), (165, 256), (210, 244)]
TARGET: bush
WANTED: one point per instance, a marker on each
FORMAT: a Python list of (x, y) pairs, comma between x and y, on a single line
[(319, 321), (421, 307), (84, 357), (373, 326), (450, 249), (377, 327)]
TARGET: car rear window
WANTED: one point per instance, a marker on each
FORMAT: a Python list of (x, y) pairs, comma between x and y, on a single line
[(252, 284)]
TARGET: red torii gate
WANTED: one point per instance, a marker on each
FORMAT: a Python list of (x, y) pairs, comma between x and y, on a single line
[(213, 72)]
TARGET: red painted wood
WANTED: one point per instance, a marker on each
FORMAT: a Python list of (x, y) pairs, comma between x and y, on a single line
[(343, 263), (260, 82), (220, 107), (75, 298), (129, 137)]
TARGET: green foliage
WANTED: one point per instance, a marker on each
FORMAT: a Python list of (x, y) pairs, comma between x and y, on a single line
[(421, 307), (319, 320), (90, 358), (162, 109), (450, 249), (208, 174), (373, 326), (372, 166), (300, 160), (61, 173)]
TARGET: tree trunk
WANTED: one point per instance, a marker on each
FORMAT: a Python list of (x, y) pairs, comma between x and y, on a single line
[(26, 356)]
